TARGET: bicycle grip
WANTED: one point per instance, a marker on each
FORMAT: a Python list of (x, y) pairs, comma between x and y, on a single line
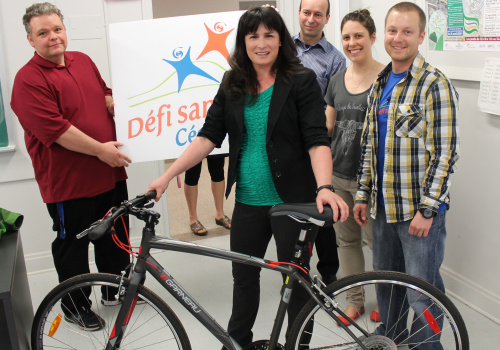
[(150, 195), (99, 230)]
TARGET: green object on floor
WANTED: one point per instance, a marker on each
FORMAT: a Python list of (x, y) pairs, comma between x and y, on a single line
[(9, 221)]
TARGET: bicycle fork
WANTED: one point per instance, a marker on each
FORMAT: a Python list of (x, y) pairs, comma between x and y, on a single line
[(137, 277), (126, 310)]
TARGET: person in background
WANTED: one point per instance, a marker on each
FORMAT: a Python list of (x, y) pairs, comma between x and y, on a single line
[(316, 53), (409, 149), (271, 108), (215, 165), (346, 98), (66, 111)]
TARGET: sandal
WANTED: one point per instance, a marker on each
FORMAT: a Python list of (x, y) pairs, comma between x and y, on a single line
[(198, 229), (224, 221)]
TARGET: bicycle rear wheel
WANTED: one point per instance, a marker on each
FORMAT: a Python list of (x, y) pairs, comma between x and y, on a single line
[(419, 317), (60, 323)]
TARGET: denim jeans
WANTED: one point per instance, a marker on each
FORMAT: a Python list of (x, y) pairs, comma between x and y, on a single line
[(395, 249)]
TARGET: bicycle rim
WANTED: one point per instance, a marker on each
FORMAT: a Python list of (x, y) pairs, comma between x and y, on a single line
[(417, 316), (152, 325)]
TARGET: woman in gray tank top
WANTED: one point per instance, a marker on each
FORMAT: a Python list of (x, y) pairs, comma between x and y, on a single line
[(346, 98)]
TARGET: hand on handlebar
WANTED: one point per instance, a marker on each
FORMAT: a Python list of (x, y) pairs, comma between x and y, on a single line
[(159, 185)]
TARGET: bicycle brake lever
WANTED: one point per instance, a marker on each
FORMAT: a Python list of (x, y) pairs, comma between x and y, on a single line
[(149, 205)]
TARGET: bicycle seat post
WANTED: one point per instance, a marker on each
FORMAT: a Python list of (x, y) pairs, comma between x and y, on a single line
[(300, 244)]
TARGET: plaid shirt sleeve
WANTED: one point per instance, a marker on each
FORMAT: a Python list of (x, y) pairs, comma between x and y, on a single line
[(364, 172), (442, 141)]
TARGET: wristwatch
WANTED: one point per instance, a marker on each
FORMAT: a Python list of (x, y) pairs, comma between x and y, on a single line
[(330, 187), (427, 213)]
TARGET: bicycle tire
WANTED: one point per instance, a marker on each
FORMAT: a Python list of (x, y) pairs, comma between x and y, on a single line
[(327, 334), (152, 325)]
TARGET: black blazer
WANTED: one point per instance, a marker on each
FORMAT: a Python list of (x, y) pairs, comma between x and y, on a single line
[(296, 123)]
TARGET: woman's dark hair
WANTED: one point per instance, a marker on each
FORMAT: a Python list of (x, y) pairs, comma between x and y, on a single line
[(361, 16), (242, 77)]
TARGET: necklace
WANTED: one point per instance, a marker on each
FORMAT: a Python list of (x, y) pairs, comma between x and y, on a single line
[(356, 85)]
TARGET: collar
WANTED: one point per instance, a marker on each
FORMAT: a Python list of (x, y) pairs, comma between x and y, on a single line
[(323, 43), (415, 68), (68, 58), (417, 65)]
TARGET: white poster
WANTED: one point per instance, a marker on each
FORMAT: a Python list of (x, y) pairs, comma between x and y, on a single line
[(489, 90), (165, 75), (466, 25)]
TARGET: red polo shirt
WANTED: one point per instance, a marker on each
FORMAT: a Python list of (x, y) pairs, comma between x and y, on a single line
[(48, 99)]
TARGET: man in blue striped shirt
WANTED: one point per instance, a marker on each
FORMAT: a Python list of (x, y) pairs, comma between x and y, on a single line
[(316, 53)]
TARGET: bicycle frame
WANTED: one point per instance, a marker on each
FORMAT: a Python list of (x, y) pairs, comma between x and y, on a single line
[(145, 262)]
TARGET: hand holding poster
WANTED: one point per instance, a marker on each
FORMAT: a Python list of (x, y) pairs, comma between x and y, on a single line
[(165, 74)]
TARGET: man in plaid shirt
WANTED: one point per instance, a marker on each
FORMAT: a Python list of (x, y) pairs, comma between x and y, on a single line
[(409, 149)]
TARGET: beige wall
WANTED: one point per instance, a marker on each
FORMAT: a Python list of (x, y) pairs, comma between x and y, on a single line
[(171, 8)]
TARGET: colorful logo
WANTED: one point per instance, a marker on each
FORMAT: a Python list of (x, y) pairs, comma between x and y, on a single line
[(183, 65), (176, 106), (471, 25)]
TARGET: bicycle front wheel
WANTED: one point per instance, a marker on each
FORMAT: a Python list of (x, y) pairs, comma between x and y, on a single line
[(79, 314), (417, 316)]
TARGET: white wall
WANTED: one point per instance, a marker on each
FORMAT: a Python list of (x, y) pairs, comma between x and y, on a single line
[(18, 189)]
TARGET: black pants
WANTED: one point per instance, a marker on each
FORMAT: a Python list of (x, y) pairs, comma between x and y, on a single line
[(71, 255), (215, 169), (326, 248), (251, 231)]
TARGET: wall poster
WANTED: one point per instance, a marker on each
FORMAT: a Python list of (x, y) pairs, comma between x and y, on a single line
[(466, 25)]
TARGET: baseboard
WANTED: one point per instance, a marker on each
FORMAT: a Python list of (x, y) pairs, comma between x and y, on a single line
[(42, 262), (471, 294)]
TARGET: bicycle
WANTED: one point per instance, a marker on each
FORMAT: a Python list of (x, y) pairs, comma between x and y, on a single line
[(130, 324)]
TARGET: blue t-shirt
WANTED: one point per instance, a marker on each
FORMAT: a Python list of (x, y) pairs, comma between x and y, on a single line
[(383, 110)]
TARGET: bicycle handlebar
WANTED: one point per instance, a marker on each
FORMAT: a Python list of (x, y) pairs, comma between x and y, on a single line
[(100, 227)]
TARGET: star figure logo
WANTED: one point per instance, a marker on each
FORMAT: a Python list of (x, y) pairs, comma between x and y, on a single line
[(185, 67), (216, 41)]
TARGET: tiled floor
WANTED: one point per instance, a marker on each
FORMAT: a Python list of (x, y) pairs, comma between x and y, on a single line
[(209, 281)]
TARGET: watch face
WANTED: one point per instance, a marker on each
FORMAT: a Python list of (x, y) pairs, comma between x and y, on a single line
[(427, 213)]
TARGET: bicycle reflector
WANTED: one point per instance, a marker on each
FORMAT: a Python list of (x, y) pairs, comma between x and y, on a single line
[(432, 321), (55, 325)]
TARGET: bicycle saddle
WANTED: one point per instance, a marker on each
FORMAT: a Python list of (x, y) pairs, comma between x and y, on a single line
[(304, 211)]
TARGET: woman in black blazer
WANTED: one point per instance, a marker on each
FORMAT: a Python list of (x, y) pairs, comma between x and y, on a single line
[(271, 108)]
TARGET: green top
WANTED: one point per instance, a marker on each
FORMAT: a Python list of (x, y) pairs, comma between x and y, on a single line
[(254, 182)]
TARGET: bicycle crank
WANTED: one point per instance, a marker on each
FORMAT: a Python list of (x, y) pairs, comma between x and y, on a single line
[(262, 345)]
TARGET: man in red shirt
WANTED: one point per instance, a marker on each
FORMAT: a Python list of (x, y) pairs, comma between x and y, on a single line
[(67, 111)]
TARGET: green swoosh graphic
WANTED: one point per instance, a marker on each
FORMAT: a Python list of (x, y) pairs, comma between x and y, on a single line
[(470, 31), (156, 87), (171, 93), (474, 20)]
